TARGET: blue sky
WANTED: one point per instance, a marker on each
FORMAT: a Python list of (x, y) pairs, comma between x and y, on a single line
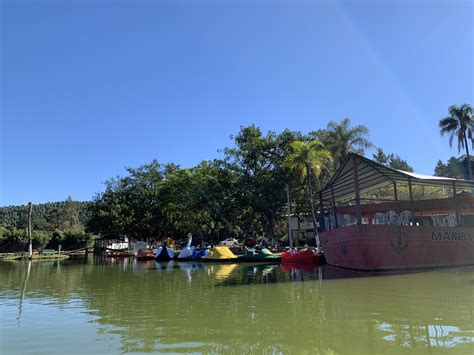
[(90, 87)]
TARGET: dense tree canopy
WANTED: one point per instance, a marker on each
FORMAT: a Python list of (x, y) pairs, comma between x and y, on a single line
[(241, 194)]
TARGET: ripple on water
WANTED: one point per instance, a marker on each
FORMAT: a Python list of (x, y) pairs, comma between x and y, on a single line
[(243, 308)]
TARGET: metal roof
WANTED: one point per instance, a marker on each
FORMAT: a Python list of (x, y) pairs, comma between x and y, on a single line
[(372, 175)]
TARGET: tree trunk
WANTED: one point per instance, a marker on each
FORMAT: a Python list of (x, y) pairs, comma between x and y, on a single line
[(469, 168), (269, 226), (212, 231), (310, 195)]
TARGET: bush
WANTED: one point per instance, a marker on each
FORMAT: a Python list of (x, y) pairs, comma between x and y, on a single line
[(40, 239), (13, 240), (69, 239)]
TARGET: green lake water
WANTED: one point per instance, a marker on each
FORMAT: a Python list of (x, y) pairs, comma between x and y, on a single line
[(91, 306)]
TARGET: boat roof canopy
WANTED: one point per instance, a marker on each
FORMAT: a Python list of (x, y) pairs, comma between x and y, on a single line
[(372, 175)]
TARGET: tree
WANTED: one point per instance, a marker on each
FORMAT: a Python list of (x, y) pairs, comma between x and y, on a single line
[(193, 198), (341, 139), (400, 164), (71, 214), (132, 205), (381, 157), (459, 125), (441, 169), (306, 159), (391, 160), (452, 169), (213, 191), (257, 161)]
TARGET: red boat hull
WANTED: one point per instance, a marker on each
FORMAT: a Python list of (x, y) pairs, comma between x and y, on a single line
[(305, 256), (389, 247)]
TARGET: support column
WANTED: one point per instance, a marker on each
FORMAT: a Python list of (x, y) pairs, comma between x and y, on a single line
[(410, 190), (395, 193), (356, 188), (321, 211), (334, 211), (455, 205)]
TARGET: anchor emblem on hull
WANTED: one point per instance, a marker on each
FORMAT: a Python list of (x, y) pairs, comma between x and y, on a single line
[(341, 245), (399, 247), (342, 248)]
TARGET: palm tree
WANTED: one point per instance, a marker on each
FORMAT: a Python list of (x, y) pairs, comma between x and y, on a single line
[(306, 159), (459, 124), (342, 139)]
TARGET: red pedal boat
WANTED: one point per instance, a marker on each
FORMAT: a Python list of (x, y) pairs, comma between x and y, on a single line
[(306, 256)]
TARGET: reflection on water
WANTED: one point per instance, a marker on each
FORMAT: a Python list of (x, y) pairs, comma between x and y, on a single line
[(114, 305), (433, 336)]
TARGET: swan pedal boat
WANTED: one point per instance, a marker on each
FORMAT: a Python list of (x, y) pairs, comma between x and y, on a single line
[(164, 253), (191, 253)]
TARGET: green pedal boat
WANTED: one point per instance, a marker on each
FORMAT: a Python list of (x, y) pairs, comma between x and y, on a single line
[(252, 254)]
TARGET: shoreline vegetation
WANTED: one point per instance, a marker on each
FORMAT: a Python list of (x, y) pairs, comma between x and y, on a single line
[(242, 194)]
